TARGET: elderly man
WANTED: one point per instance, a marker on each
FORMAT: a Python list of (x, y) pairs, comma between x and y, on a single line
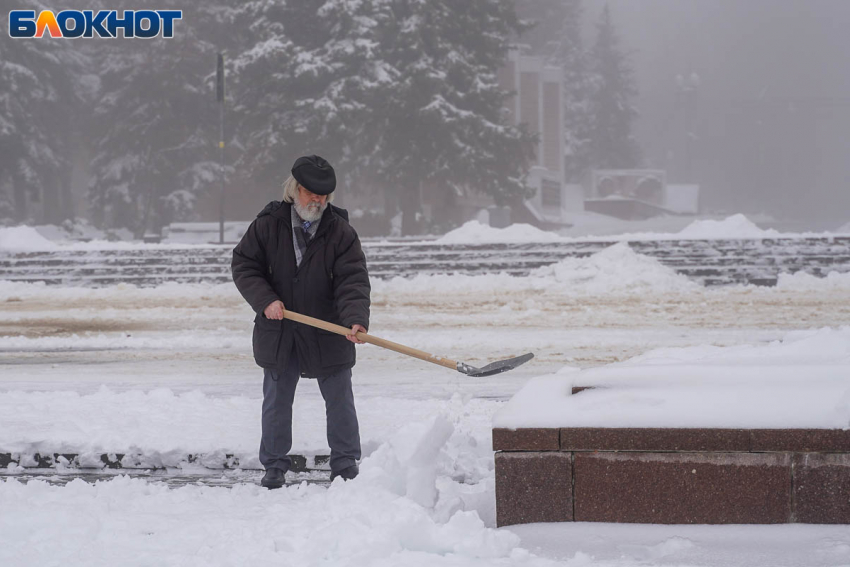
[(301, 254)]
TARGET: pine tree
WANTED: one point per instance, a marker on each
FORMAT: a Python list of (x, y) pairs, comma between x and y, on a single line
[(542, 22), (156, 128), (578, 92), (440, 123), (42, 83), (306, 85), (613, 145)]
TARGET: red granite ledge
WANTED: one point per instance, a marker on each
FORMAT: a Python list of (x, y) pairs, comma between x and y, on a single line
[(659, 439), (682, 488), (533, 487), (527, 439), (821, 488), (800, 440), (653, 439)]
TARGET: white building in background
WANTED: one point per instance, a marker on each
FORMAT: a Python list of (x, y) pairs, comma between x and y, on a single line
[(538, 103)]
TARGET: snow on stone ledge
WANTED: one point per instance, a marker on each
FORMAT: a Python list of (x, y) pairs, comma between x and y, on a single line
[(802, 381)]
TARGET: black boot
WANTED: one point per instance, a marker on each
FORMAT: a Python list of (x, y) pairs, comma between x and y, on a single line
[(347, 473), (274, 478)]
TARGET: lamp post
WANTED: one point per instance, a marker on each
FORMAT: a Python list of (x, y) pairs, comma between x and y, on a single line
[(219, 94)]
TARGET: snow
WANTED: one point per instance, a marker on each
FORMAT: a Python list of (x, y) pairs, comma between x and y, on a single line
[(75, 229), (162, 373), (134, 522), (587, 226), (23, 238), (802, 282), (475, 232), (197, 340), (392, 514), (143, 424), (616, 269), (593, 227), (799, 382), (736, 226), (622, 545)]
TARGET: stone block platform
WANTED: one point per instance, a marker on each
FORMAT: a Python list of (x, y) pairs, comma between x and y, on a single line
[(672, 475)]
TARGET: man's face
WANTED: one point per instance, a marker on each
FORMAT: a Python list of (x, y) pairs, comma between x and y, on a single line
[(310, 206)]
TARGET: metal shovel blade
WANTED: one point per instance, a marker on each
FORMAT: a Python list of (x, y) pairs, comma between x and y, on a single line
[(494, 367)]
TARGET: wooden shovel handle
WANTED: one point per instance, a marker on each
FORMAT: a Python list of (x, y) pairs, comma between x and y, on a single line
[(367, 338)]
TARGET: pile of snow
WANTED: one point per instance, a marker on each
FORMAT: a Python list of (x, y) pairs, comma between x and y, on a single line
[(475, 232), (401, 510), (23, 239), (592, 226), (79, 229), (736, 226), (799, 382), (616, 269)]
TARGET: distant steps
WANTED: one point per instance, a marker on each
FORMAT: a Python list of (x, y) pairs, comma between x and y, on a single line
[(709, 262)]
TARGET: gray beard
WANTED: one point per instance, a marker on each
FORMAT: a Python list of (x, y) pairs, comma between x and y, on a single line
[(310, 213)]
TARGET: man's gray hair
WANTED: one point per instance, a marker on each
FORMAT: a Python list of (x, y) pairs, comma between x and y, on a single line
[(290, 191)]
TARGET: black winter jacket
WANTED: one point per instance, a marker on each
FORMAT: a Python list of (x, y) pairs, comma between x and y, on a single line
[(331, 283)]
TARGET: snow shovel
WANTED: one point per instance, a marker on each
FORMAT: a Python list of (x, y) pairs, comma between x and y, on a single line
[(493, 368)]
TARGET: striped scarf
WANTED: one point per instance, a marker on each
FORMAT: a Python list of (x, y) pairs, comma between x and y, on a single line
[(302, 233)]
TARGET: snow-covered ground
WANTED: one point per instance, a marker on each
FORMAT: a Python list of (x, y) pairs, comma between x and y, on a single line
[(166, 372)]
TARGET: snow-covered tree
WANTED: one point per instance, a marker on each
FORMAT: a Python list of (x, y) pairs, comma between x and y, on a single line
[(578, 91), (156, 127), (41, 87), (542, 21), (613, 144), (306, 84), (401, 91), (440, 119)]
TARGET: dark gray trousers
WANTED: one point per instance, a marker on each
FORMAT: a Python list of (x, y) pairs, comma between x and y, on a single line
[(342, 427)]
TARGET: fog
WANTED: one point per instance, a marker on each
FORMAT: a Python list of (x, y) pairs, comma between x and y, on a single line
[(748, 99), (772, 128)]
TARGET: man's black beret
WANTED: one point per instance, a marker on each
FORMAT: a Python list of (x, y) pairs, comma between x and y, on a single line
[(315, 174)]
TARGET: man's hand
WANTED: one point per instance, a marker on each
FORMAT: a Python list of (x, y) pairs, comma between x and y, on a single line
[(274, 310), (353, 336)]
